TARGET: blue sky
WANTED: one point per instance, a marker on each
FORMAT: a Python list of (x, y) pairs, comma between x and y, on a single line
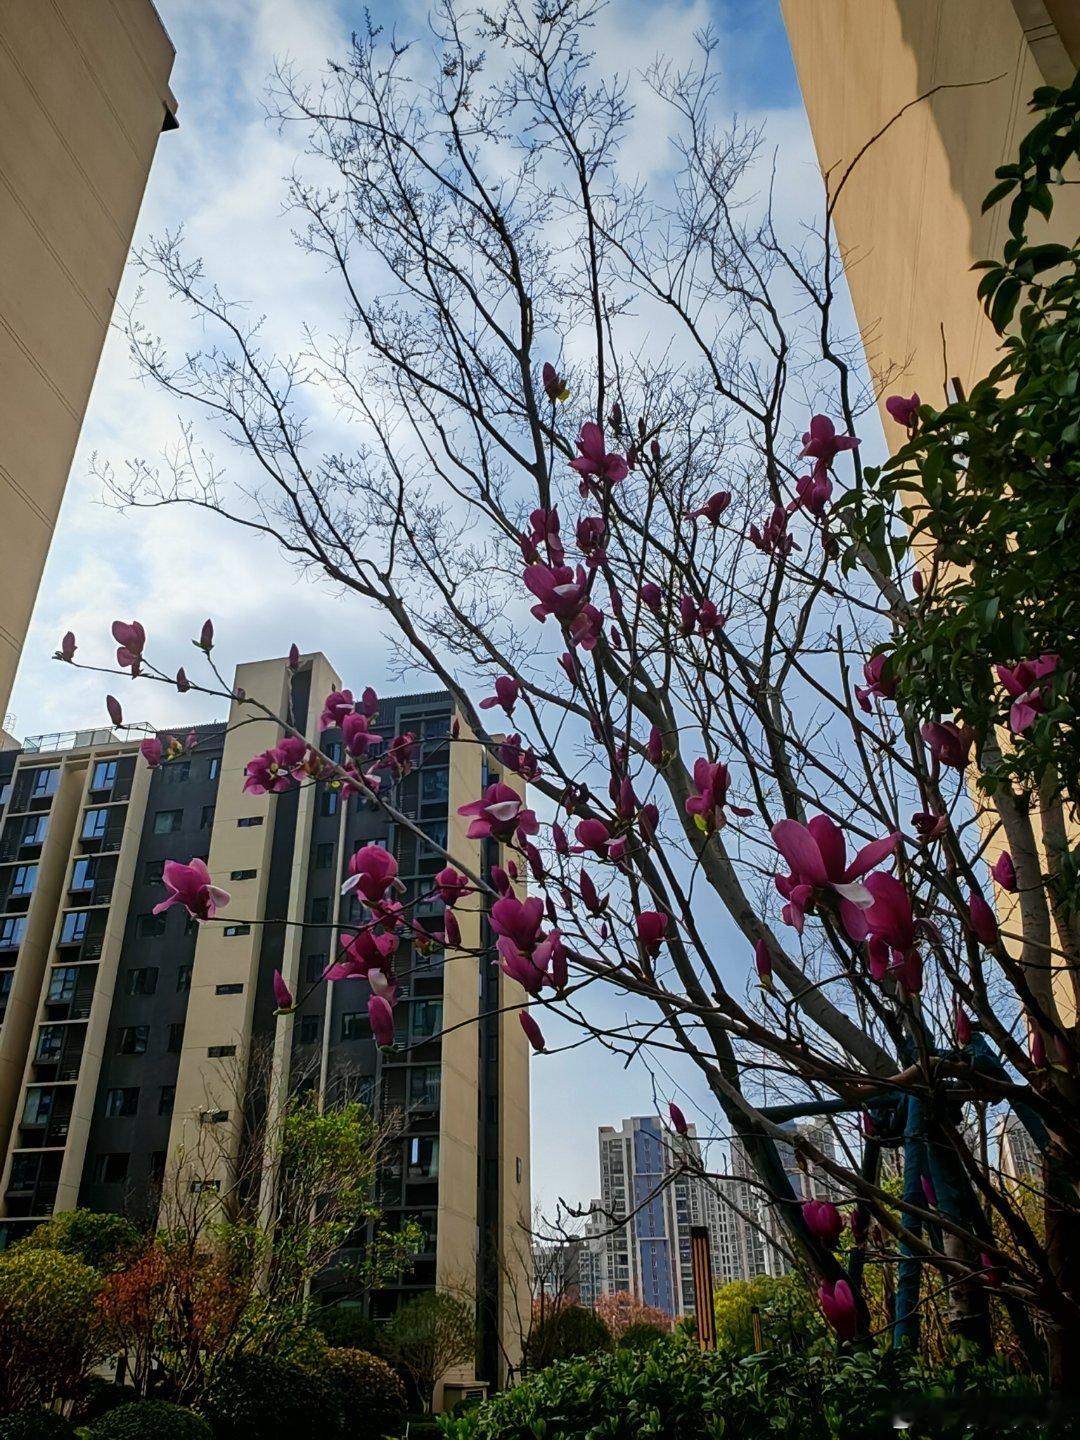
[(220, 176)]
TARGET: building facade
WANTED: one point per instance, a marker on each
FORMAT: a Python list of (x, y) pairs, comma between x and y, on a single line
[(126, 1034), (86, 95)]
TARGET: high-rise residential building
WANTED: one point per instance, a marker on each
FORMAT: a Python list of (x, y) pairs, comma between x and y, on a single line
[(86, 95), (763, 1248), (909, 220), (1019, 1158), (591, 1257), (125, 1034)]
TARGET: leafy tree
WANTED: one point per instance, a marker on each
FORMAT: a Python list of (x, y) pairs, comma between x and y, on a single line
[(571, 1331), (429, 1336), (36, 1424), (48, 1336), (372, 1395), (641, 1335), (620, 1310), (100, 1239), (789, 1317), (259, 1395)]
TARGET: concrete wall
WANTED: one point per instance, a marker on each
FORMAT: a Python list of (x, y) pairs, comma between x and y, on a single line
[(84, 96)]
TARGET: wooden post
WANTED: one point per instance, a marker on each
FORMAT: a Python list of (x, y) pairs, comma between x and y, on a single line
[(701, 1266)]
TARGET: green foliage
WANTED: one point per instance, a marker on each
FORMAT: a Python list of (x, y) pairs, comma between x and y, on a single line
[(373, 1397), (570, 1332), (36, 1424), (97, 1238), (346, 1326), (789, 1317), (150, 1420), (47, 1340), (253, 1396), (641, 1336), (429, 1336), (986, 492), (671, 1391)]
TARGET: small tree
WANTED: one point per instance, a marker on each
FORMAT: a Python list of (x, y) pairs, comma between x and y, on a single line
[(99, 1239), (428, 1337), (621, 1310), (48, 1337), (571, 1331)]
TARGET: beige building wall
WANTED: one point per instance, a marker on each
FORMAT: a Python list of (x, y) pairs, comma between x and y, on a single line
[(908, 220), (84, 95)]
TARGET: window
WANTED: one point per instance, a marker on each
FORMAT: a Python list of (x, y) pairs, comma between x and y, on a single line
[(320, 910), (34, 830), (166, 1099), (167, 822), (206, 818), (314, 967), (214, 1117), (50, 1043), (183, 978), (122, 1103), (324, 855), (213, 769), (426, 1019), (435, 830), (104, 776), (6, 977), (247, 821), (332, 750), (83, 874), (23, 880), (424, 1086), (435, 785), (134, 1039), (309, 1029), (237, 929), (142, 980), (242, 874), (355, 1026), (519, 1169), (155, 1166), (176, 772), (11, 932), (176, 1038), (330, 800), (111, 1169), (210, 1186), (73, 928), (221, 1052), (94, 824), (423, 1157), (44, 784), (38, 1107), (153, 872), (148, 926), (228, 989)]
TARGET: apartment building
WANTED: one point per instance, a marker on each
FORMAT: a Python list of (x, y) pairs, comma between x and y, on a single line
[(86, 95), (124, 1033), (761, 1242)]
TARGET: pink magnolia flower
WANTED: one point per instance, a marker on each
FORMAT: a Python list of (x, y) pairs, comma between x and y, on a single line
[(1021, 682), (709, 620), (553, 383), (859, 1222), (1004, 872), (131, 641), (500, 813), (773, 537), (191, 886), (266, 774), (1037, 1048), (369, 703), (400, 753), (361, 953), (651, 928), (817, 854), (707, 807), (594, 460), (824, 1220), (713, 508), (929, 826), (543, 535), (67, 647), (451, 929), (904, 409), (183, 684), (559, 590), (518, 920), (293, 662), (822, 444), (373, 871), (552, 957), (116, 714), (151, 751), (949, 743), (206, 636), (594, 902), (506, 695), (963, 1026), (591, 535), (381, 1016), (678, 1119), (838, 1306), (593, 835), (814, 492), (891, 929), (763, 964), (929, 1193), (336, 706), (652, 597), (356, 733), (384, 983), (518, 758), (533, 1033), (982, 919), (452, 886), (283, 996), (877, 683)]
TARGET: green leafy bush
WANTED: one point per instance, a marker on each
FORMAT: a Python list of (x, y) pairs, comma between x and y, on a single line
[(569, 1333), (372, 1396), (641, 1336), (672, 1391), (255, 1397), (36, 1424), (48, 1341), (150, 1420), (97, 1238), (347, 1328)]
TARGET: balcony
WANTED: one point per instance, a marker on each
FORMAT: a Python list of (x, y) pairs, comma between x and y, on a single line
[(58, 1053), (23, 838)]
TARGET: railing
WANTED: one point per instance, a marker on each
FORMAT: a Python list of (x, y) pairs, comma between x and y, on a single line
[(80, 739)]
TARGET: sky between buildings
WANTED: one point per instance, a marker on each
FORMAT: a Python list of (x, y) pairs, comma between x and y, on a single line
[(220, 176)]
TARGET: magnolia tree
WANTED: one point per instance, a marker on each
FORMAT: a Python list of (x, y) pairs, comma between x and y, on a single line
[(607, 487)]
